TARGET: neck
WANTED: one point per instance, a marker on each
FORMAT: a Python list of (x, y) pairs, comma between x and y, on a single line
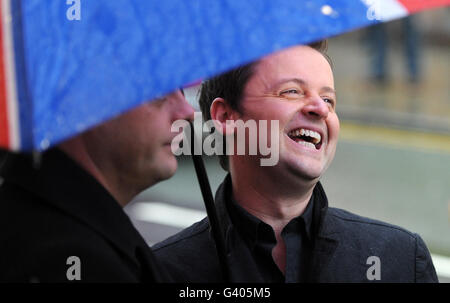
[(274, 199), (98, 168)]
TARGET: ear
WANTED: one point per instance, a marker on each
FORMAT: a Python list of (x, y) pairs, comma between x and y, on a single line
[(223, 116)]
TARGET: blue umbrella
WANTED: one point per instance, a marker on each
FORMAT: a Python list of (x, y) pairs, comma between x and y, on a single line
[(69, 65)]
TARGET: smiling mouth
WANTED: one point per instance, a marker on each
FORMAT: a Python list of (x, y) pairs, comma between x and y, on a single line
[(306, 137)]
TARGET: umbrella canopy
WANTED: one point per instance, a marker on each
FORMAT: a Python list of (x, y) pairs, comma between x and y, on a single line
[(66, 66)]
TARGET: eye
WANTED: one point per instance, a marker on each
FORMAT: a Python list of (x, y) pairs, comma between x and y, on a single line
[(291, 91), (329, 101)]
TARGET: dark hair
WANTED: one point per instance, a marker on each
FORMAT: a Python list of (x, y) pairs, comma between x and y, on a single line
[(230, 87)]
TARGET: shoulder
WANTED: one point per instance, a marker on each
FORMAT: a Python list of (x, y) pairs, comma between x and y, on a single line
[(47, 254), (403, 253), (356, 224), (61, 260), (190, 255), (41, 243), (195, 233)]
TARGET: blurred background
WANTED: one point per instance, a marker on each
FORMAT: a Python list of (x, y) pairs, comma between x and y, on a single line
[(393, 158)]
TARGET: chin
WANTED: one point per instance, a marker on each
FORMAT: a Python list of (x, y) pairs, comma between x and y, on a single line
[(170, 167), (163, 167), (307, 175), (304, 172)]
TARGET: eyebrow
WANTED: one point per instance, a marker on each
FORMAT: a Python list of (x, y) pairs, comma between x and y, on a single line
[(326, 89), (282, 81)]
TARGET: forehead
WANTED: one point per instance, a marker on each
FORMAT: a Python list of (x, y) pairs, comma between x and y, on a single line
[(299, 62)]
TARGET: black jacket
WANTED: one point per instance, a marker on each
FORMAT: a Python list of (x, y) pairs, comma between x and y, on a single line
[(58, 211), (343, 243)]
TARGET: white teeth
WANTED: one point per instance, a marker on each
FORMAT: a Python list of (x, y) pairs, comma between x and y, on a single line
[(307, 144), (315, 135), (306, 132)]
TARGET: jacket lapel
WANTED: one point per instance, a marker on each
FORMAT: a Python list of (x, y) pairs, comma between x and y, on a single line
[(323, 254), (326, 238)]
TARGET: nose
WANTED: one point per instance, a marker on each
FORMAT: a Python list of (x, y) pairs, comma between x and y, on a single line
[(316, 108), (182, 109)]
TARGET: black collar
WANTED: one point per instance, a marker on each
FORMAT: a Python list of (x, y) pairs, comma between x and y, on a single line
[(254, 229), (224, 193), (324, 237)]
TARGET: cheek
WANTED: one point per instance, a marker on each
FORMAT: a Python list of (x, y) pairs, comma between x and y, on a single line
[(150, 124), (333, 127), (141, 137), (271, 112)]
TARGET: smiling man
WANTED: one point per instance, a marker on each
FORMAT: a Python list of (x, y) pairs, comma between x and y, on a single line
[(275, 219)]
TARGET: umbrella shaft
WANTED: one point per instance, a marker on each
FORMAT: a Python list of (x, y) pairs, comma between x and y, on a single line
[(210, 208)]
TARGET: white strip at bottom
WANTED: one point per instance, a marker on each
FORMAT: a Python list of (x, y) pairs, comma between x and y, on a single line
[(442, 265), (166, 214)]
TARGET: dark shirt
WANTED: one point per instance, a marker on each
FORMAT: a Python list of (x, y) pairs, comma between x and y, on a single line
[(260, 238)]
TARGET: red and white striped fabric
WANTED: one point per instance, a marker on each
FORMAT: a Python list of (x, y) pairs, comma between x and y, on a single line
[(387, 10), (413, 6), (9, 120)]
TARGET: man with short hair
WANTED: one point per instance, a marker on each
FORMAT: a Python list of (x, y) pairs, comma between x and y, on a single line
[(275, 219), (62, 220)]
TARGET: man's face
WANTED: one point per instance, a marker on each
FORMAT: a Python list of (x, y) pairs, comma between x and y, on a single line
[(137, 144), (296, 87)]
